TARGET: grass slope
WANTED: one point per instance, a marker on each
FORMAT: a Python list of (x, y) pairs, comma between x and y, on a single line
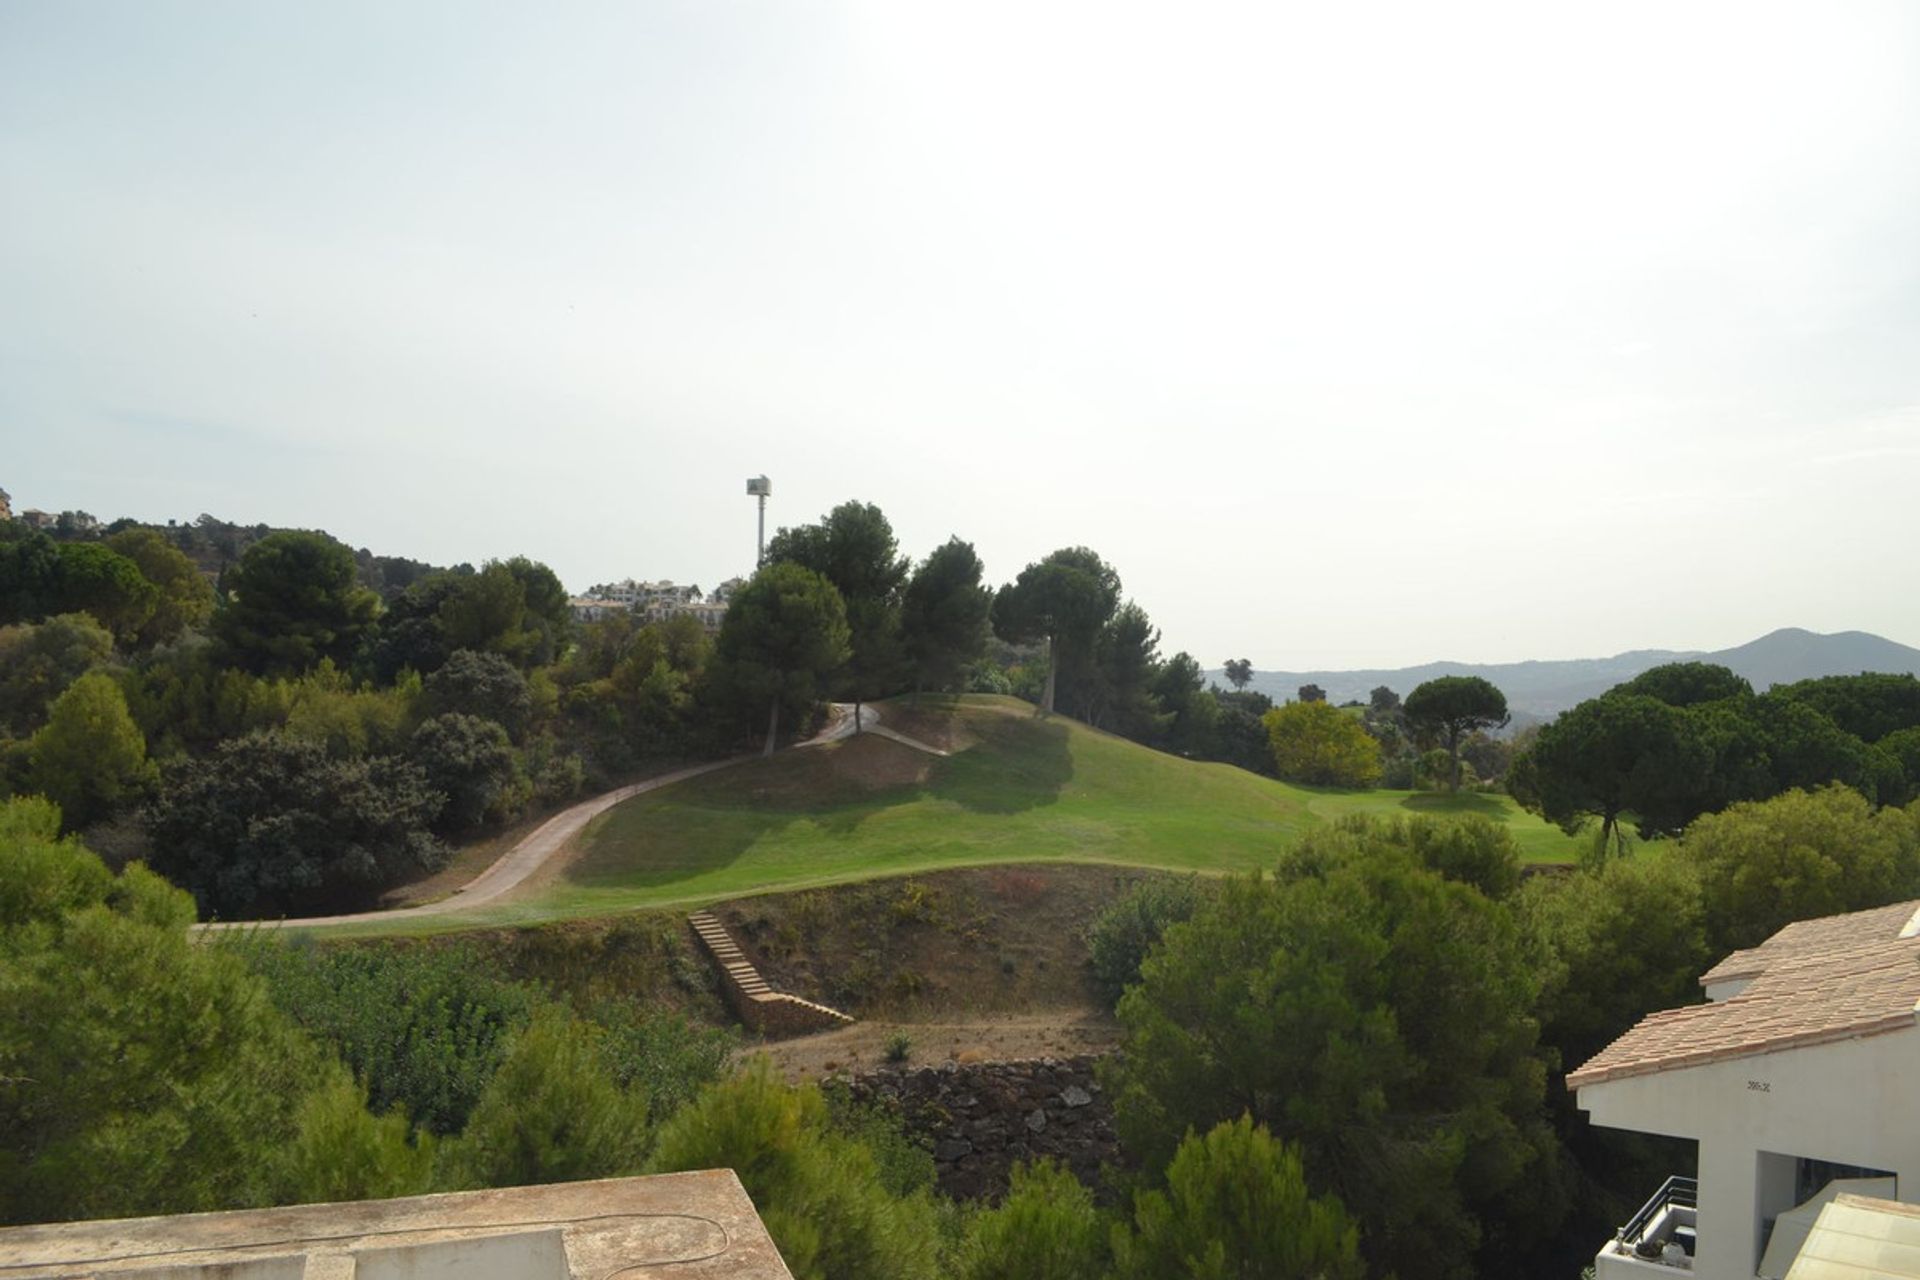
[(1018, 790)]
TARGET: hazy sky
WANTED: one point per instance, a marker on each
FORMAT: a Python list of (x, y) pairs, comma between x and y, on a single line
[(1351, 334)]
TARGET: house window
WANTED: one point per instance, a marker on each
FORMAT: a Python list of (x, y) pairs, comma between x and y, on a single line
[(1810, 1176)]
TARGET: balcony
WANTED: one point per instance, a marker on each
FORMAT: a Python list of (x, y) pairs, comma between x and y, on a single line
[(1657, 1239)]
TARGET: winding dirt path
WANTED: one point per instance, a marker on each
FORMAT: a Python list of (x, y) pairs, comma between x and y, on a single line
[(554, 835)]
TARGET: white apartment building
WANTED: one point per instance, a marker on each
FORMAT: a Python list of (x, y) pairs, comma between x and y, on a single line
[(655, 602), (594, 608), (1797, 1080)]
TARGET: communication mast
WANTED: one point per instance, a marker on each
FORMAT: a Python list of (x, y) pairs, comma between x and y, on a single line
[(760, 487)]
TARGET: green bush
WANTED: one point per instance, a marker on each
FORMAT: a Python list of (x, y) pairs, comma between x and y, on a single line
[(666, 1056), (143, 1073), (1122, 935), (1237, 1205), (1767, 863), (1470, 850), (423, 1027), (1047, 1228), (270, 823), (819, 1192), (551, 1113), (1378, 1016), (341, 1152), (903, 1162)]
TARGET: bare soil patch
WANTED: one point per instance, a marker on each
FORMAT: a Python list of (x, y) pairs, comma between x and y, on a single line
[(868, 762), (1005, 1037), (950, 945), (935, 721)]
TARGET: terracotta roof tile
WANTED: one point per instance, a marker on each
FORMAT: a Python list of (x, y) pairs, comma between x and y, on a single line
[(1813, 938), (1819, 980)]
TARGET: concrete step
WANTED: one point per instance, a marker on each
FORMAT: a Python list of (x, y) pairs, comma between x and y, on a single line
[(741, 974)]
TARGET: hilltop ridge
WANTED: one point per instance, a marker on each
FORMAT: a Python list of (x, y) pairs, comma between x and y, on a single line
[(1540, 689)]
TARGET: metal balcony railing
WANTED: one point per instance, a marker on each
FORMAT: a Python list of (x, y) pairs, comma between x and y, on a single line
[(1668, 1217)]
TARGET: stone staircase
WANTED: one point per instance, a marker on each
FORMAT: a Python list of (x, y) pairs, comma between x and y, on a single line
[(758, 1005)]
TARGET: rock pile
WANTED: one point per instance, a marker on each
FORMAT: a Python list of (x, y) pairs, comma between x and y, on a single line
[(982, 1118)]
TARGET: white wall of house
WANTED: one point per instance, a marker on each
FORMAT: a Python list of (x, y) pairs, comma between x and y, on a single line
[(1851, 1101)]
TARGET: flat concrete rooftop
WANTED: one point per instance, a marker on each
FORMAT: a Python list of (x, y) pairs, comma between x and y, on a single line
[(677, 1225)]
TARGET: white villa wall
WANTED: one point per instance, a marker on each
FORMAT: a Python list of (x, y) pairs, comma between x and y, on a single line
[(1851, 1101)]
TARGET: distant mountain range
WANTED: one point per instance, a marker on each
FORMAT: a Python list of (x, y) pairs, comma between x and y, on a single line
[(1542, 690)]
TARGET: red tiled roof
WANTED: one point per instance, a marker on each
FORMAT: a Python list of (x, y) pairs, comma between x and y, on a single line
[(1819, 980)]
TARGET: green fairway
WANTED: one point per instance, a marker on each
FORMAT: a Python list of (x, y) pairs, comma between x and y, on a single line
[(1025, 790)]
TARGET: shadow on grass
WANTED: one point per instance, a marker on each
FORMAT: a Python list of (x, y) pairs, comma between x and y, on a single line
[(1458, 804), (708, 824), (1018, 765)]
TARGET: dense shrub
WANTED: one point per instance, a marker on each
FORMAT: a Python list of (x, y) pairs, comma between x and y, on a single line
[(818, 1191), (1046, 1228), (1122, 935), (270, 822), (424, 1028), (1376, 1015), (144, 1073), (1801, 854), (1471, 850), (551, 1113), (1237, 1204), (89, 757), (470, 761), (1321, 745), (480, 684), (1617, 943), (37, 663), (665, 1056)]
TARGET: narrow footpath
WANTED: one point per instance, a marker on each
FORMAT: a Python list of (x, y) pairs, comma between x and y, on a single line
[(554, 835)]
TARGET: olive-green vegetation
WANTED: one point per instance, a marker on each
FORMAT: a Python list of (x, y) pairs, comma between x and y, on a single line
[(1691, 738), (1375, 1013), (420, 703), (89, 757), (1451, 707), (1320, 745), (1235, 1203), (820, 1192), (141, 1072), (1047, 1228), (785, 633), (853, 548), (425, 1030), (1129, 929), (1764, 864)]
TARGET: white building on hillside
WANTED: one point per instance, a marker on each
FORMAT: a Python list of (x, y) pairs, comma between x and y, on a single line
[(654, 602), (594, 608), (1799, 1080)]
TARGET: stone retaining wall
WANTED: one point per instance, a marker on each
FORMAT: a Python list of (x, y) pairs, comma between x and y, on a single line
[(982, 1118)]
